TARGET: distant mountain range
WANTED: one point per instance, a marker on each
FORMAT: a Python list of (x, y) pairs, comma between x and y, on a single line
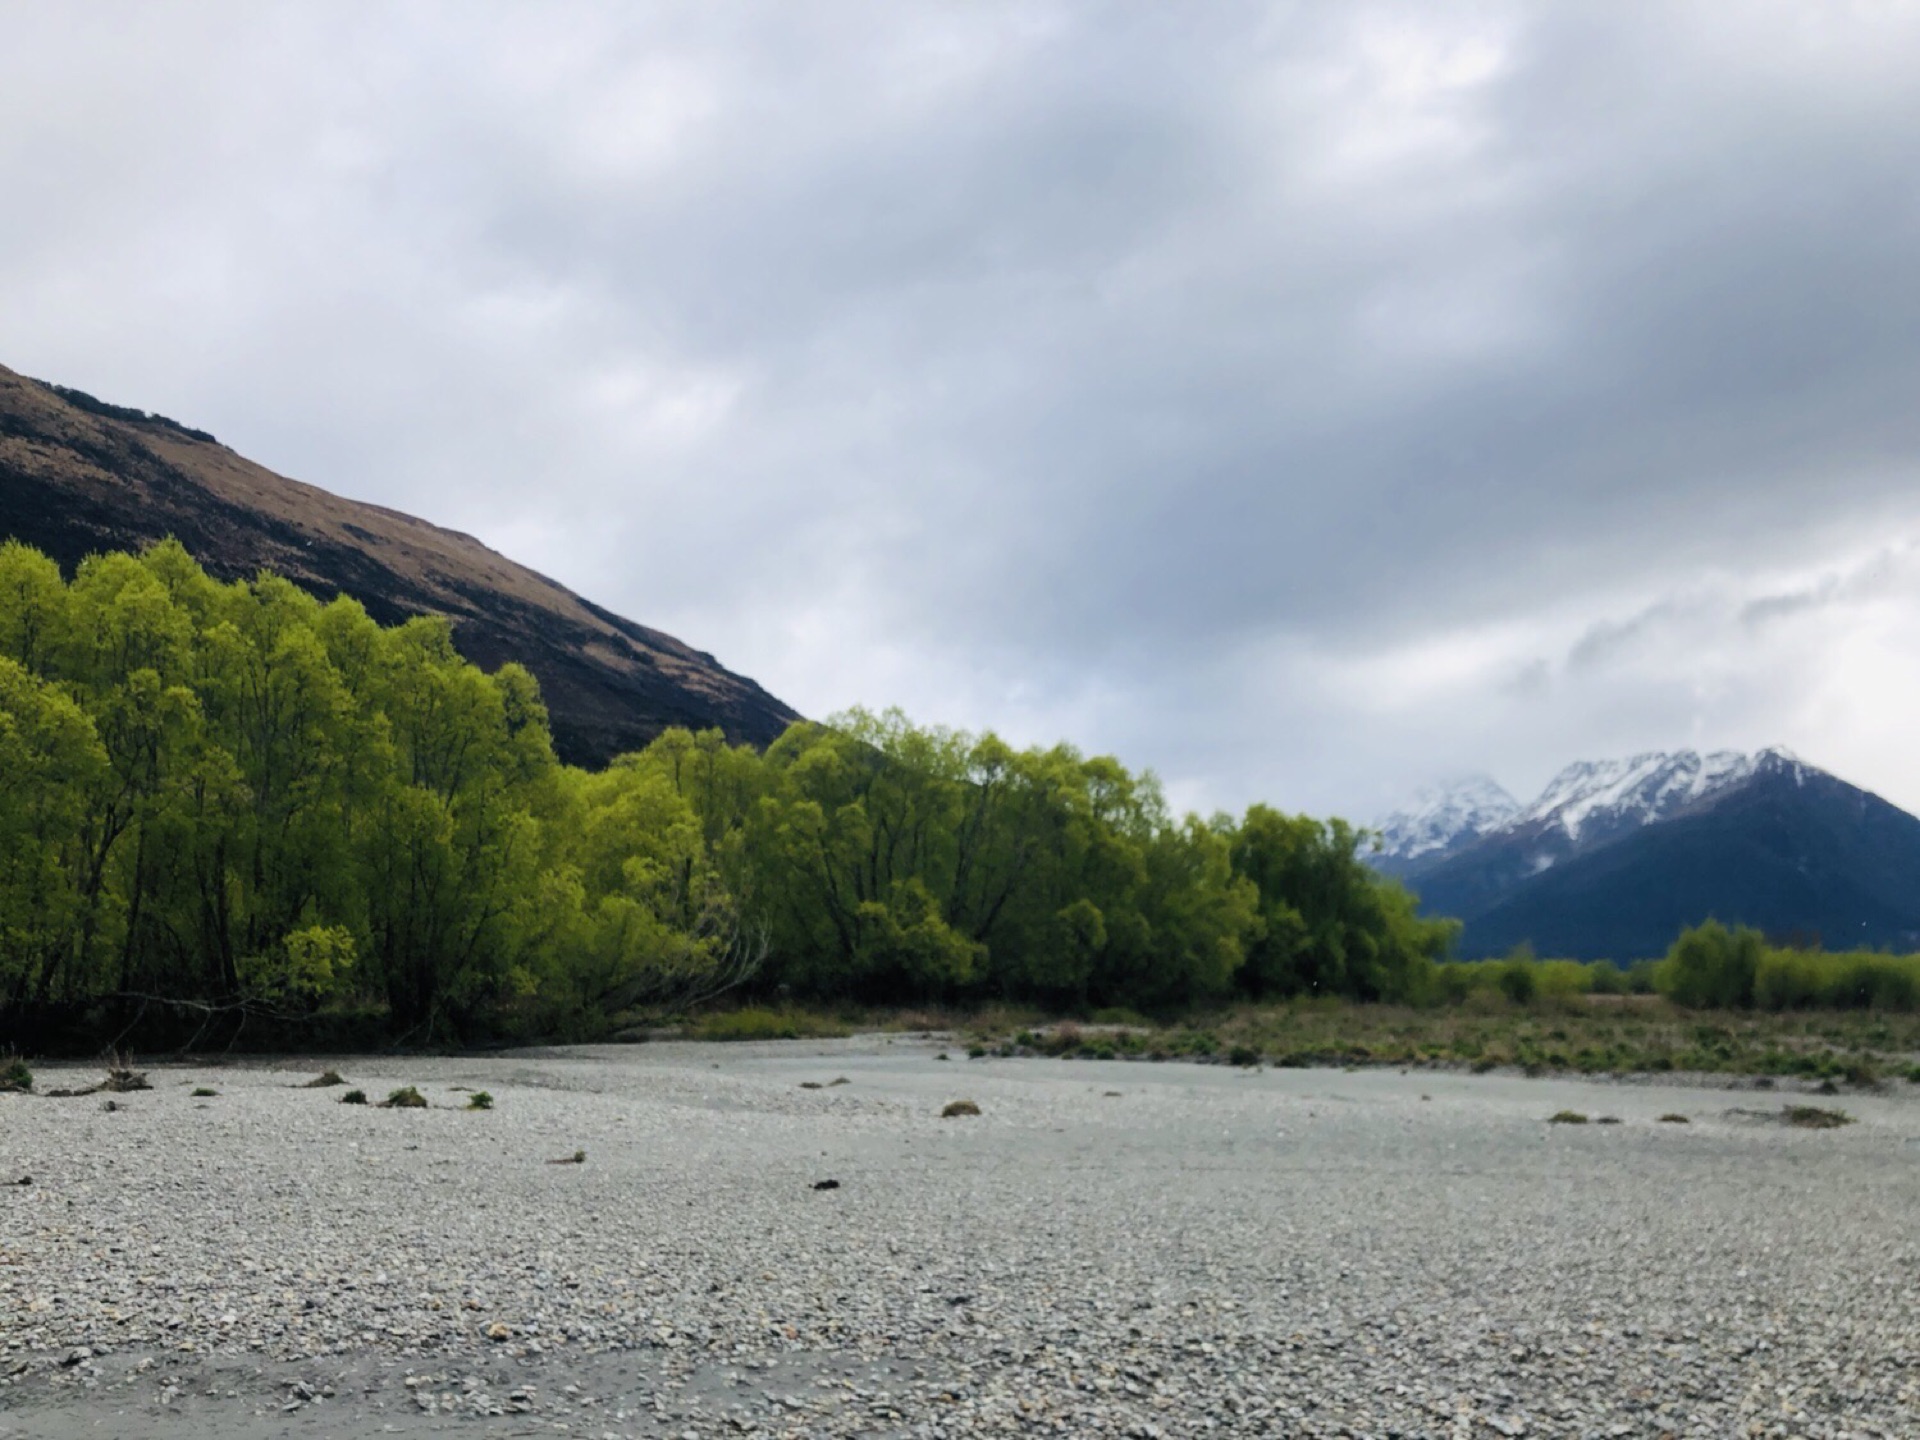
[(1616, 857), (80, 475)]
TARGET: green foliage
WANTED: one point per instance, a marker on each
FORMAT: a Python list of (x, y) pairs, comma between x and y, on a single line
[(404, 1098), (1517, 979), (761, 1024), (354, 1097), (14, 1075), (480, 1100), (238, 799), (1328, 925), (1711, 966)]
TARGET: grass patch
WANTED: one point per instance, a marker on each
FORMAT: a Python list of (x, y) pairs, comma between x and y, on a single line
[(762, 1024)]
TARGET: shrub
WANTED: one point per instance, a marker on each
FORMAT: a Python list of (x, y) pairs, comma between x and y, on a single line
[(354, 1097), (762, 1024), (405, 1098), (202, 1092), (480, 1100), (1244, 1056), (1516, 979), (957, 1108), (15, 1076), (1711, 967), (324, 1079)]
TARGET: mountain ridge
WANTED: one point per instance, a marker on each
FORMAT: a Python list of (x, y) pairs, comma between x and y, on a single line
[(1616, 857), (80, 475)]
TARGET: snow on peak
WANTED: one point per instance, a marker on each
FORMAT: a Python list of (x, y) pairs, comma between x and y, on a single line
[(1444, 817), (1592, 796), (1587, 802)]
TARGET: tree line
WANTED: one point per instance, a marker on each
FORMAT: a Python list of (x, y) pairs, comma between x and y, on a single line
[(235, 799)]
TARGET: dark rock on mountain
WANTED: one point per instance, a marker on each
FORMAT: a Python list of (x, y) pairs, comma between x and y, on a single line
[(78, 476), (1786, 848)]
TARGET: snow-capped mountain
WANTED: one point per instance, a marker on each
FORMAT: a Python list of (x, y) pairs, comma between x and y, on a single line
[(1616, 859), (1592, 800), (1586, 804), (1441, 819)]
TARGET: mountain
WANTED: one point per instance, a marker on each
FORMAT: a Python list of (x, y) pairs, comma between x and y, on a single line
[(1441, 820), (78, 476), (1616, 858)]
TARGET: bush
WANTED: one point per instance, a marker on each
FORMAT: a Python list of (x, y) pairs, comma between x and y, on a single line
[(354, 1097), (1712, 967), (1516, 979), (15, 1076), (405, 1098), (480, 1100), (202, 1092), (1244, 1056), (762, 1024), (958, 1108)]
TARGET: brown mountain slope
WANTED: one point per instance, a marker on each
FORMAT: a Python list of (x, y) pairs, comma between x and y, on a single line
[(78, 476)]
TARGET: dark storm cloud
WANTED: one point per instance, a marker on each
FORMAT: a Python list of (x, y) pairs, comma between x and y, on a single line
[(1205, 381)]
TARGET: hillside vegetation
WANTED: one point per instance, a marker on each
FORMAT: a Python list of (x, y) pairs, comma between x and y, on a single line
[(231, 804)]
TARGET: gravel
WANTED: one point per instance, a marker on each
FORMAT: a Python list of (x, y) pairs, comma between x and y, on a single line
[(1206, 1251)]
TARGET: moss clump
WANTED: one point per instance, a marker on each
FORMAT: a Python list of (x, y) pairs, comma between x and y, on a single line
[(354, 1097), (405, 1098), (1567, 1117), (958, 1108), (1813, 1117)]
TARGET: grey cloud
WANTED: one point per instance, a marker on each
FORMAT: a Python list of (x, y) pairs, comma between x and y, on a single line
[(1037, 360)]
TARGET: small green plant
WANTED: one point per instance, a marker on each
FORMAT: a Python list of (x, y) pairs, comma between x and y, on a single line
[(974, 1052), (480, 1100), (753, 1024), (354, 1097), (1813, 1117), (1566, 1117), (405, 1098), (324, 1079), (1243, 1056), (958, 1108), (15, 1076), (204, 1092)]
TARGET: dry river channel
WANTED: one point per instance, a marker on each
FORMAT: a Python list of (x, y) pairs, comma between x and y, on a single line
[(750, 1247)]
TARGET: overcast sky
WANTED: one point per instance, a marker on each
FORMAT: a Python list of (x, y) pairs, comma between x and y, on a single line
[(1305, 401)]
